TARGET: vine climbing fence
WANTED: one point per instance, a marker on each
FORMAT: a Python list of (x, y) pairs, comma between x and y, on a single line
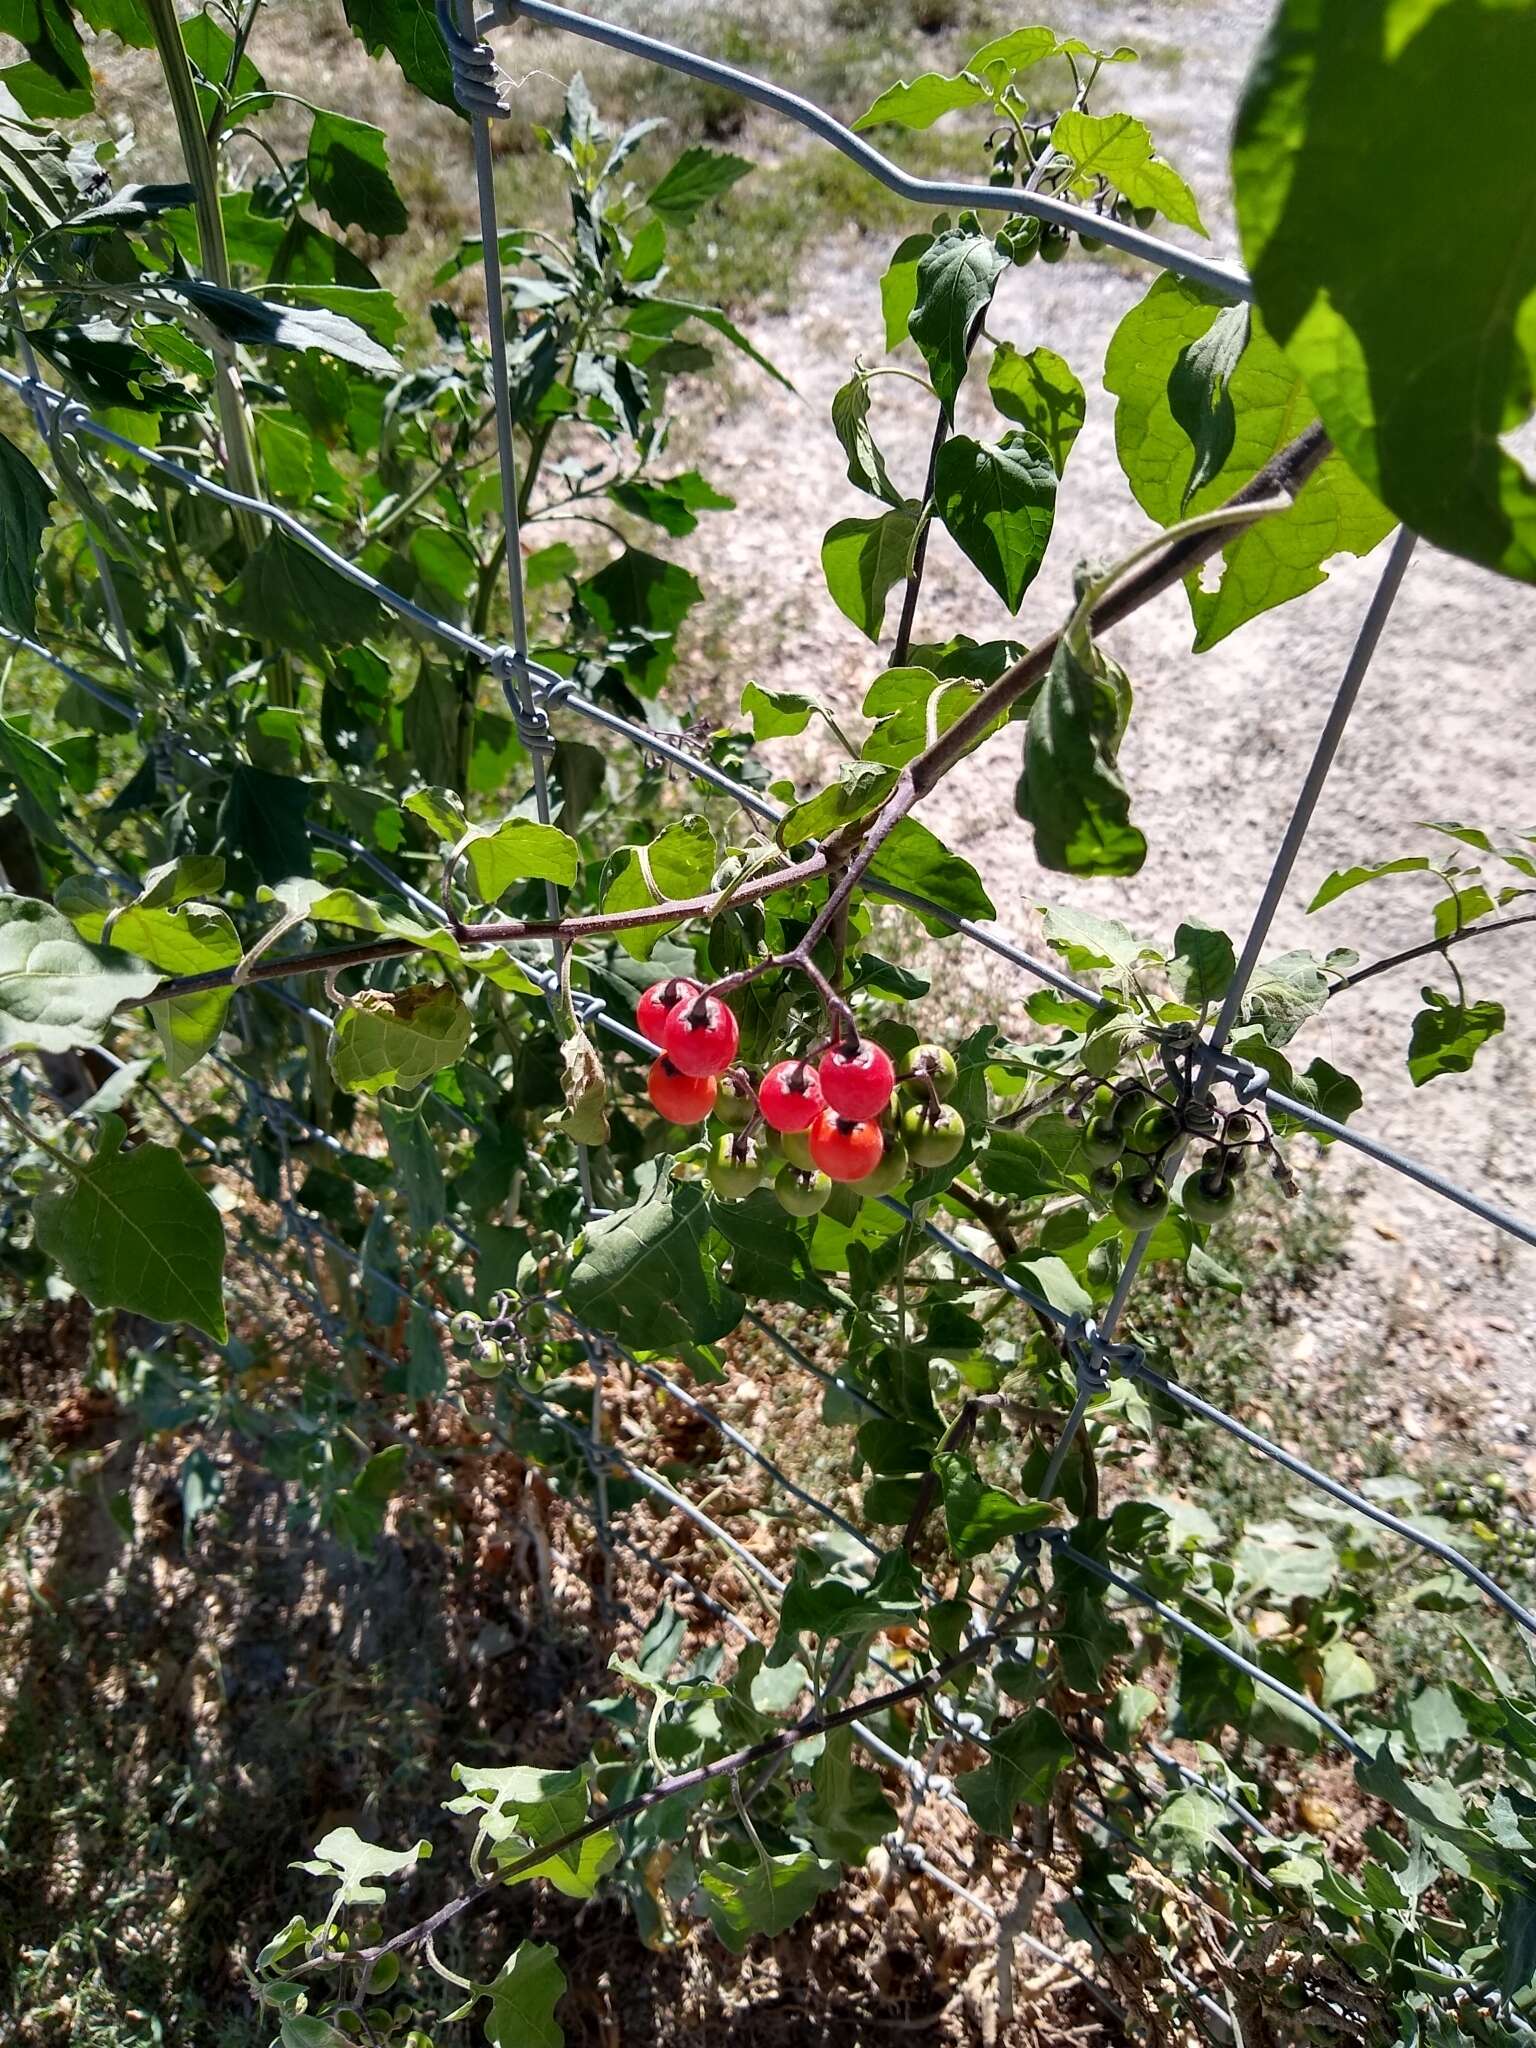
[(302, 1262)]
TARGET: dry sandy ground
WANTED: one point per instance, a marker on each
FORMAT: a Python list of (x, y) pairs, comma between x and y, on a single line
[(1215, 753)]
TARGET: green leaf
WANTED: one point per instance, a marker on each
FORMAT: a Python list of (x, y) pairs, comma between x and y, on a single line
[(767, 1896), (922, 102), (1274, 559), (398, 1040), (57, 992), (517, 850), (262, 820), (898, 287), (37, 775), (956, 277), (1071, 789), (1343, 879), (1023, 1764), (1436, 1721), (134, 1230), (863, 559), (356, 1866), (648, 1274), (698, 176), (847, 1813), (678, 863), (55, 81), (1346, 1675), (825, 1604), (998, 501), (356, 1512), (860, 787), (1127, 1714), (408, 30), (850, 421), (1447, 1035), (524, 1994), (1092, 944), (286, 595), (911, 857), (664, 316), (1185, 1834), (777, 714), (1040, 392), (671, 503), (1202, 965), (1200, 394), (1418, 348), (637, 603), (1117, 148), (1282, 994), (262, 323), (24, 501), (978, 1516), (349, 175), (185, 938)]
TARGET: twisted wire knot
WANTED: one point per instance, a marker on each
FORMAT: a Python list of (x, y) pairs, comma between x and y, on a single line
[(479, 85), (530, 721), (1253, 1085), (1094, 1356)]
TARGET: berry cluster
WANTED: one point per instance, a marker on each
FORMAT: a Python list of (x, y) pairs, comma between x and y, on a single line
[(846, 1114), (1496, 1520), (1129, 1132)]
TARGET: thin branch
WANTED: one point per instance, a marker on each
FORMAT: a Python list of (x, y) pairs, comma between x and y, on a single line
[(1467, 931), (683, 1781), (920, 552)]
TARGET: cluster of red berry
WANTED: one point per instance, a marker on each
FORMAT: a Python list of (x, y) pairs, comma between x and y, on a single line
[(834, 1120)]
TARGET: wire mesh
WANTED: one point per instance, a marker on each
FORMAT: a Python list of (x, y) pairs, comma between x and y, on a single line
[(533, 693)]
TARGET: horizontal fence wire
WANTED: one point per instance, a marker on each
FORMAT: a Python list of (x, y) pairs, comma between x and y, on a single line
[(1226, 278)]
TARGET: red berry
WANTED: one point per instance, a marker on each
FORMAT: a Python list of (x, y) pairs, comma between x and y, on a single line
[(681, 1098), (860, 1083), (700, 1036), (658, 1003), (790, 1096), (844, 1147)]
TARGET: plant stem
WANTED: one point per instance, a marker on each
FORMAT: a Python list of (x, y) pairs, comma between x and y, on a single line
[(1467, 931), (920, 552)]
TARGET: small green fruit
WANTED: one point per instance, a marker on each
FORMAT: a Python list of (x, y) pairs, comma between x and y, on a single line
[(802, 1194), (932, 1137), (795, 1146), (735, 1104), (1102, 1183), (1207, 1197), (927, 1068), (1053, 245), (1155, 1129), (736, 1167), (1130, 1103), (1102, 1143), (1141, 1204), (890, 1173)]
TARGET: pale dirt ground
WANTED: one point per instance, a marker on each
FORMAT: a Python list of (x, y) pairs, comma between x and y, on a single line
[(1439, 1301)]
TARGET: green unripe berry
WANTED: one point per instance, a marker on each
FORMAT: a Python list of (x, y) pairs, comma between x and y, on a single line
[(1155, 1129), (1102, 1183), (890, 1173), (795, 1146), (932, 1137), (736, 1167), (802, 1194), (1207, 1198), (735, 1104), (1102, 1142), (927, 1068), (1141, 1204)]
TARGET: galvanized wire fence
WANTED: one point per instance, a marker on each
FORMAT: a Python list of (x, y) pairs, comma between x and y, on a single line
[(535, 694)]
